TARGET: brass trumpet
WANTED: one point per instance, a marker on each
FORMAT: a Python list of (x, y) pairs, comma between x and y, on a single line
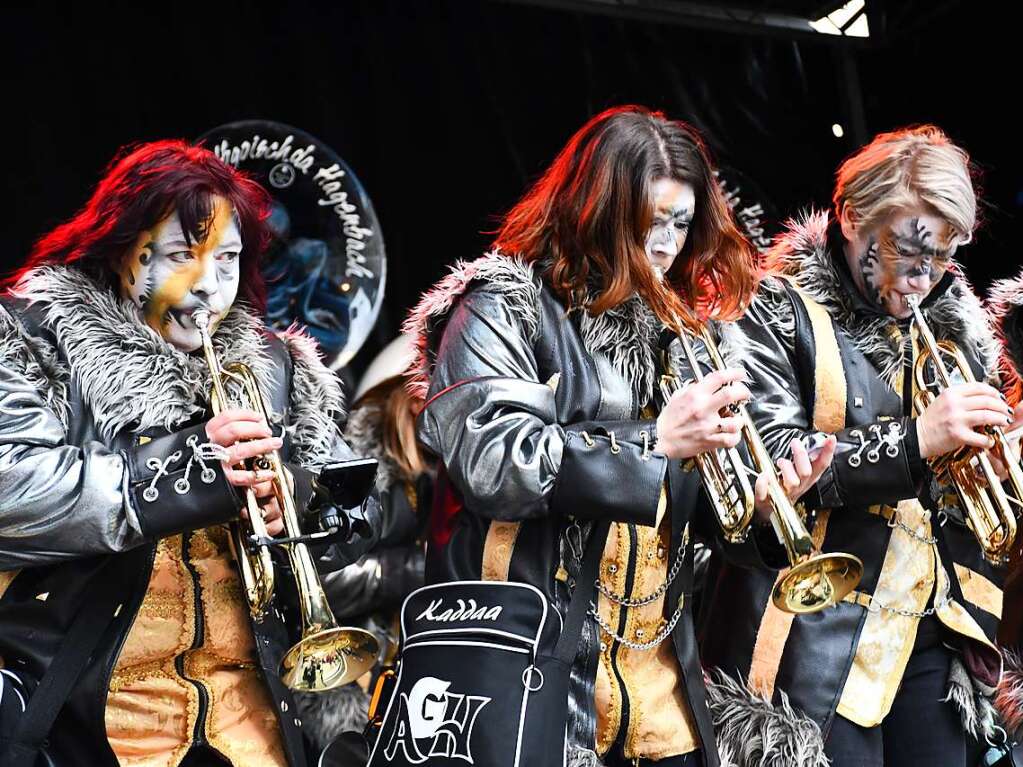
[(327, 656), (986, 504), (814, 580)]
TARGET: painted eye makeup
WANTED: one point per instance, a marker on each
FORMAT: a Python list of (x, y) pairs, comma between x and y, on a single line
[(180, 256)]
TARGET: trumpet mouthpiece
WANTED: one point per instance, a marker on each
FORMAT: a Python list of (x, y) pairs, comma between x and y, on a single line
[(201, 318)]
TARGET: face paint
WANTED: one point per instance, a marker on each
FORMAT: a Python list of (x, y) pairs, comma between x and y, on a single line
[(907, 255), (168, 278), (674, 204)]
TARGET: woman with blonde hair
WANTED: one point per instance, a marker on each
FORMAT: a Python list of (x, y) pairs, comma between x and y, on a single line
[(901, 671)]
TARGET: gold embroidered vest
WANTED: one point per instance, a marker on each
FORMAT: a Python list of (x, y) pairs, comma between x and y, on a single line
[(188, 667)]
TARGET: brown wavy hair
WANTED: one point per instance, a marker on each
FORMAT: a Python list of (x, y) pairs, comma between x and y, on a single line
[(590, 211)]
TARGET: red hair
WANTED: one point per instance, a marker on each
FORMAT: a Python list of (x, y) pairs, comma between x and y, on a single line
[(142, 186), (590, 211)]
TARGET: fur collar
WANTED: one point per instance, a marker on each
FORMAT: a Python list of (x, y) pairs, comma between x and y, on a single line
[(316, 403), (801, 254), (626, 335), (1005, 303), (130, 377)]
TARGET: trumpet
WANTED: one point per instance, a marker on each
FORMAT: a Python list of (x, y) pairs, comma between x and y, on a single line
[(813, 580), (986, 504), (327, 656)]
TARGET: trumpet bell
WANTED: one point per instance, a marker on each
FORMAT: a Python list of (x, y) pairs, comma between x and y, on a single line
[(328, 659), (817, 582)]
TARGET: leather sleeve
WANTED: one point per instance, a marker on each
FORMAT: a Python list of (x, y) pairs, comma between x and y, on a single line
[(175, 489), (494, 425), (876, 463)]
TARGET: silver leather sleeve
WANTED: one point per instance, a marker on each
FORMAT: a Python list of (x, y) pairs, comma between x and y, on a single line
[(58, 501), (776, 406), (488, 417)]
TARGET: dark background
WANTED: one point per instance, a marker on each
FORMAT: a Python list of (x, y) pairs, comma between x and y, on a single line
[(446, 109)]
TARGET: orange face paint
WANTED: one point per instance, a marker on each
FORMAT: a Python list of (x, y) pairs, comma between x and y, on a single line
[(167, 277)]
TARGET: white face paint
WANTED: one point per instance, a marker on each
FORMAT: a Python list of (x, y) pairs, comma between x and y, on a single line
[(674, 205), (168, 278)]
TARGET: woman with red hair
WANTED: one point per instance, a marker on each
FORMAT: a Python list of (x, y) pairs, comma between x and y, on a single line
[(539, 365), (115, 483)]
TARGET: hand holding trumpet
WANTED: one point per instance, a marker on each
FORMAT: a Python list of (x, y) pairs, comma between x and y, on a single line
[(245, 434)]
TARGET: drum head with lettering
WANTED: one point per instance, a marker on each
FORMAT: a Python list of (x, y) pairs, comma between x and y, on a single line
[(326, 267)]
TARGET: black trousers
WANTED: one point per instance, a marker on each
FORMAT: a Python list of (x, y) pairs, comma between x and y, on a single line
[(202, 756), (921, 730)]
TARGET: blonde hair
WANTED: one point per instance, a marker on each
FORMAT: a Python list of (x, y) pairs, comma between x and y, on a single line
[(905, 168), (397, 412)]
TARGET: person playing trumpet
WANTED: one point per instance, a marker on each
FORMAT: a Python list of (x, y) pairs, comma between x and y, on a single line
[(539, 365), (901, 671), (116, 484)]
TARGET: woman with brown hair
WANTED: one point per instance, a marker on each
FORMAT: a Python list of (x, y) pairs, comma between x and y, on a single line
[(539, 365)]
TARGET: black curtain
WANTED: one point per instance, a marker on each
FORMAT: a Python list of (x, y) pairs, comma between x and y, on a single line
[(446, 110)]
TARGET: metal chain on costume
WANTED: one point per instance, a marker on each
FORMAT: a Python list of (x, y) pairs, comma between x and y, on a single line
[(659, 591), (941, 602), (896, 522), (625, 602), (661, 635)]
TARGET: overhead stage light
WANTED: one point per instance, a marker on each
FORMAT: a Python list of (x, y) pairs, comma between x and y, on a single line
[(850, 20)]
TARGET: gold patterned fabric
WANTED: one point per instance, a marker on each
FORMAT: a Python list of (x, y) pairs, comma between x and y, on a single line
[(660, 723), (911, 575), (153, 703)]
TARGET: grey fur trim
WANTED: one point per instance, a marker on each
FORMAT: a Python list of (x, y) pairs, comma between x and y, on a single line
[(582, 757), (801, 255), (325, 715), (976, 708), (512, 277), (316, 405), (730, 343), (38, 362), (364, 434), (1009, 695), (752, 732), (1005, 304), (128, 375), (625, 334)]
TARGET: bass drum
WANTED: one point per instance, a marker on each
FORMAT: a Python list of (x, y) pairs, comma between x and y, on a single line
[(325, 267)]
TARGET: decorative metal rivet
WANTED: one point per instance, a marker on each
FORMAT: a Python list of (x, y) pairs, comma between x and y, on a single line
[(857, 401), (284, 706)]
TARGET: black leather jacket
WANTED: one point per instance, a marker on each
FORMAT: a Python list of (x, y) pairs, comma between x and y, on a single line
[(877, 462), (513, 385), (78, 495)]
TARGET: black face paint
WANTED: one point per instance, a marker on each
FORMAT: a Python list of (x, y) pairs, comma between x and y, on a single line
[(915, 254), (870, 269)]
